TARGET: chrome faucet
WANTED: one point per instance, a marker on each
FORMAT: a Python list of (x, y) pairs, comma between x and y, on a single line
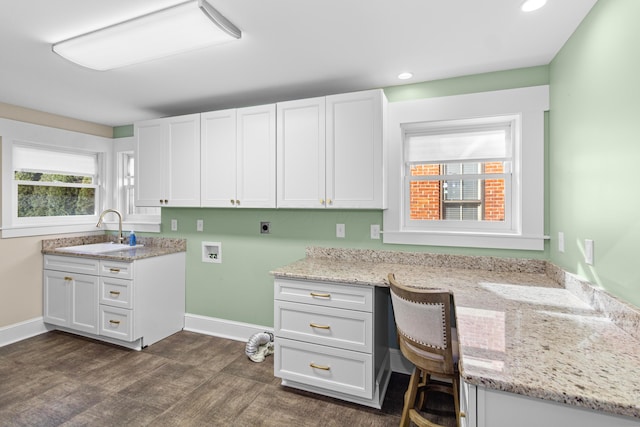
[(106, 211)]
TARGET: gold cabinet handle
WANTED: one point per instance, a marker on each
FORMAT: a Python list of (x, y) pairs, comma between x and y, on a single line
[(237, 202), (315, 325), (114, 322), (329, 201), (68, 278), (115, 293), (322, 201), (114, 270), (462, 414), (316, 294), (166, 201), (233, 202), (324, 368)]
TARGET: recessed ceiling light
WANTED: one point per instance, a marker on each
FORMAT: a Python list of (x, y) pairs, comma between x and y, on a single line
[(405, 76), (531, 5)]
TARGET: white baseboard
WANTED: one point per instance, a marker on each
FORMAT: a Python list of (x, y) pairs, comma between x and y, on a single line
[(22, 330), (223, 328)]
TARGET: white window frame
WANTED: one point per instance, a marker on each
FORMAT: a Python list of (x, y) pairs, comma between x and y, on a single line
[(526, 230), (14, 132)]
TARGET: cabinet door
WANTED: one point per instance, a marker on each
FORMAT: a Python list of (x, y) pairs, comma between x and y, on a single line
[(56, 297), (218, 146), (149, 167), (84, 303), (168, 161), (183, 161), (301, 153), (256, 157), (355, 150), (71, 300)]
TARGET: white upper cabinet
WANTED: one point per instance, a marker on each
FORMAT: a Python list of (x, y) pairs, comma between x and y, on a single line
[(168, 161), (301, 153), (239, 158), (330, 152)]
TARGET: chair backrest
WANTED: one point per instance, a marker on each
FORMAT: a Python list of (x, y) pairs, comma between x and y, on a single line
[(423, 321)]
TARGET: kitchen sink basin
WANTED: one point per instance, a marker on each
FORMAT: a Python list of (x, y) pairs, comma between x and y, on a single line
[(98, 248)]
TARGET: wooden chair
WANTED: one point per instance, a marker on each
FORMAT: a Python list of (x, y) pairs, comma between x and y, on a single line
[(426, 339)]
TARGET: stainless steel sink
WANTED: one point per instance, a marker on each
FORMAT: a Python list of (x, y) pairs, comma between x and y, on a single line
[(98, 248)]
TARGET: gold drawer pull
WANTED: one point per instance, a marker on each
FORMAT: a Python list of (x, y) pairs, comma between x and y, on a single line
[(115, 293), (324, 368), (114, 322), (315, 294), (68, 278), (114, 270), (315, 325)]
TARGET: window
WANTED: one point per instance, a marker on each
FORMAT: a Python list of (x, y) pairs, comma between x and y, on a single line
[(467, 170), (126, 191), (53, 185), (458, 174)]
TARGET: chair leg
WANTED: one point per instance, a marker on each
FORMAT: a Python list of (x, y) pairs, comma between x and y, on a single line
[(456, 399), (410, 397)]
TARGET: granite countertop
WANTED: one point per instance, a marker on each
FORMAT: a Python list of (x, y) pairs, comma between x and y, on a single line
[(148, 247), (521, 329)]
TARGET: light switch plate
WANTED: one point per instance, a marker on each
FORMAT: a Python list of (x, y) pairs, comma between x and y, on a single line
[(174, 225), (199, 225), (340, 231), (588, 251)]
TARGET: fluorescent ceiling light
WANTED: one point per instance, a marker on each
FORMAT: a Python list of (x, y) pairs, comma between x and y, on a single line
[(181, 28), (405, 76), (531, 5)]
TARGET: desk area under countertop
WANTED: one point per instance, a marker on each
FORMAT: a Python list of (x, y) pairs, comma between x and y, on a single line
[(522, 328)]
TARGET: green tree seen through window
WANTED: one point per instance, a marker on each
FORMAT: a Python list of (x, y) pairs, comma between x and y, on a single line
[(38, 198)]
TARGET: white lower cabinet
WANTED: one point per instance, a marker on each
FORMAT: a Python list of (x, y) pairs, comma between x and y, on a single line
[(71, 300), (331, 339), (133, 304), (492, 408)]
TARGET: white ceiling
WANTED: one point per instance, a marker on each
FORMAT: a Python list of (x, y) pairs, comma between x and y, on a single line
[(289, 49)]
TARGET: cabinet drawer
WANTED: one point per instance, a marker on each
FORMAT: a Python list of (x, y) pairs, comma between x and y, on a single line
[(325, 294), (122, 270), (331, 368), (116, 323), (72, 264), (334, 327), (116, 292)]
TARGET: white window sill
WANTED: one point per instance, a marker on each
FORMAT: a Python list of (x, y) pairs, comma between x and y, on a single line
[(466, 239)]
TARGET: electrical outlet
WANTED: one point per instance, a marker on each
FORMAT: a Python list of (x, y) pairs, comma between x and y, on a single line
[(200, 225), (174, 225), (340, 231), (375, 231), (265, 227)]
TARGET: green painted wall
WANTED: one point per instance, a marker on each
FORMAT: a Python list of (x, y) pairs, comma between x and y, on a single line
[(594, 151)]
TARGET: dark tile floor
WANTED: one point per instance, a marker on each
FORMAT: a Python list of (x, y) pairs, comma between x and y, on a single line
[(188, 379)]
